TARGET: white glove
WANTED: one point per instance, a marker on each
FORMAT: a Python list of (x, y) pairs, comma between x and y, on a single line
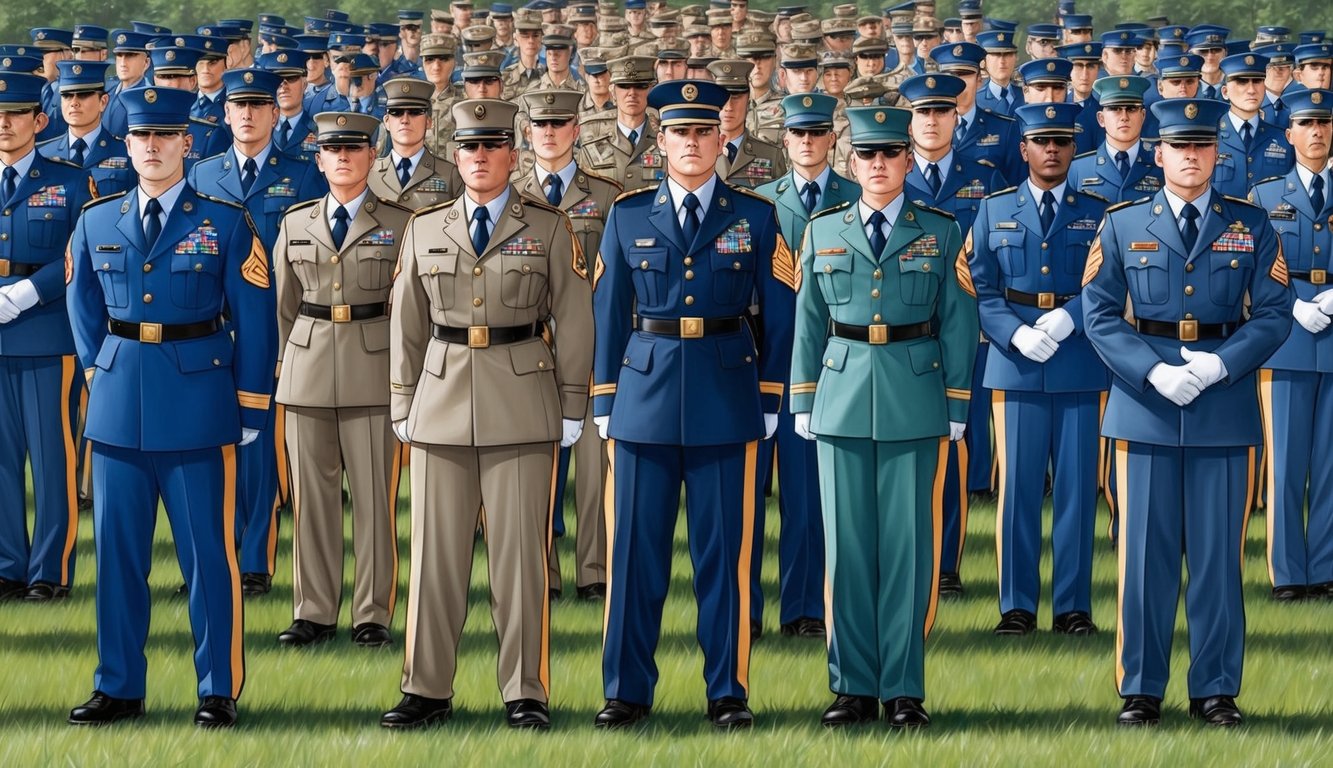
[(1310, 316), (1057, 324), (1325, 301), (571, 429), (603, 423), (8, 309), (24, 295), (770, 424), (956, 430), (1176, 383), (1034, 344), (248, 435), (802, 426), (400, 429), (1206, 365)]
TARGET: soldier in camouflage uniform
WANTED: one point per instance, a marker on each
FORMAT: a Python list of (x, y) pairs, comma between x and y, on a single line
[(623, 146), (746, 161), (559, 43), (765, 119), (437, 62), (526, 70), (597, 97), (481, 80)]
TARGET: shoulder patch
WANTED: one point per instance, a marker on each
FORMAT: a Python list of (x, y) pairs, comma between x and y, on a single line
[(88, 205), (1270, 178), (633, 192), (541, 204), (383, 202), (1127, 204), (999, 192), (934, 210), (750, 193), (1095, 196), (58, 160), (1240, 200), (432, 208), (999, 116), (303, 205), (227, 203), (840, 206), (984, 162)]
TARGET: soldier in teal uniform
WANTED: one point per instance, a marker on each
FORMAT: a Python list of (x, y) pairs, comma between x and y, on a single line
[(810, 187), (1208, 284), (886, 335), (171, 394), (87, 144)]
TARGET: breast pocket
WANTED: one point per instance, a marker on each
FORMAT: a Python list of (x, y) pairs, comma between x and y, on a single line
[(1147, 276), (1075, 255), (523, 282), (436, 273), (919, 279), (1298, 256), (833, 272), (374, 266), (1228, 274), (1226, 167), (649, 273), (733, 277), (305, 263), (195, 279), (47, 227), (110, 268), (1007, 245)]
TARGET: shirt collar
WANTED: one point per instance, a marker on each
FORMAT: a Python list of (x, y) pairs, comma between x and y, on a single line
[(822, 180), (90, 139), (565, 174), (22, 166), (944, 163), (167, 199), (493, 209), (259, 159), (890, 211), (970, 116), (1237, 121), (415, 159), (1178, 203), (1133, 152), (625, 129), (1058, 192), (1307, 176), (353, 206), (704, 193)]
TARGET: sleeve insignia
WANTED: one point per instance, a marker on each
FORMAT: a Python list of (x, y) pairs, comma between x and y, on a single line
[(255, 268), (785, 268), (963, 271), (1094, 262), (1279, 269)]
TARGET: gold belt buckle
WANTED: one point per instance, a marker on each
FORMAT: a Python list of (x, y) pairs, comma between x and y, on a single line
[(150, 333), (879, 333), (1187, 330), (4, 267), (1318, 276), (478, 336), (691, 327), (342, 313), (1046, 301)]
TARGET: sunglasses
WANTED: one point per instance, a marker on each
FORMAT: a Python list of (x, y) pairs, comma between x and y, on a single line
[(406, 112), (552, 122), (814, 133), (482, 80), (429, 59), (292, 78), (1127, 108), (870, 56), (889, 153), (250, 103), (475, 146), (1059, 141), (410, 27), (1190, 144), (632, 86), (79, 95)]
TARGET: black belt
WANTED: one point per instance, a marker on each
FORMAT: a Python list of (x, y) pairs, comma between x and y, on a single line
[(344, 313), (156, 333), (881, 334), (1038, 300), (1186, 330), (689, 327), (14, 269), (1315, 276), (482, 336)]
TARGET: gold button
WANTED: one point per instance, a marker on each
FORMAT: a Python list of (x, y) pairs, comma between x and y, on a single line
[(217, 361), (476, 271), (148, 298), (333, 259), (476, 302), (434, 270), (337, 286), (1043, 246), (877, 318), (689, 300), (689, 260), (879, 274), (828, 268), (541, 363), (1188, 267), (146, 267), (527, 268), (735, 265), (643, 264), (198, 267), (689, 274), (874, 293), (1234, 263), (925, 267), (1189, 290), (829, 362), (1144, 260), (4, 235), (1045, 270)]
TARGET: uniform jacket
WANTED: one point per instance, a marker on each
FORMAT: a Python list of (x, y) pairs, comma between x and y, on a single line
[(586, 202), (107, 162), (964, 185), (987, 100), (434, 180), (283, 181), (302, 139), (1237, 171), (209, 140), (757, 162), (609, 154), (115, 119), (1097, 172), (994, 137)]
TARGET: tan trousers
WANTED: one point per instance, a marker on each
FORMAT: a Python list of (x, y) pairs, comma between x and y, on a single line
[(322, 444), (449, 485), (590, 466)]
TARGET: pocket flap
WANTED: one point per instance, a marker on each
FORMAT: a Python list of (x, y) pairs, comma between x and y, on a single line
[(735, 350), (437, 263), (204, 354), (924, 265), (302, 253), (301, 328), (375, 335), (734, 262), (1009, 238), (107, 354), (639, 354), (925, 356), (835, 355), (194, 262), (434, 362), (109, 261), (836, 262), (531, 357), (523, 264), (649, 259)]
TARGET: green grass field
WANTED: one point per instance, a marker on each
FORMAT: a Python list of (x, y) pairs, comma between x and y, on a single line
[(1038, 700)]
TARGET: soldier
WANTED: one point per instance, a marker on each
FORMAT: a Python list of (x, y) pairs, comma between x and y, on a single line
[(721, 34), (526, 70), (171, 395), (131, 55), (597, 76), (1026, 251), (438, 64), (83, 100), (1000, 93), (1121, 168), (623, 148), (1086, 61), (211, 91), (89, 42), (294, 133), (363, 74), (881, 308), (481, 399), (1314, 63), (869, 53), (410, 174), (1183, 409), (586, 198), (1045, 81), (316, 49), (1278, 83), (559, 43), (745, 161), (1076, 28), (1293, 383), (1118, 48), (765, 119), (799, 72), (1209, 42), (1248, 149), (811, 187), (409, 36)]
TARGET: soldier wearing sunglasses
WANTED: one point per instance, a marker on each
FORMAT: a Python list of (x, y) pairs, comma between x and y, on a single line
[(622, 144), (410, 174)]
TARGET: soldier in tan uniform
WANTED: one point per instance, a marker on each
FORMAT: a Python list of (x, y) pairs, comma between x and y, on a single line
[(527, 69), (484, 402), (334, 261), (585, 197), (623, 145), (869, 53), (559, 44), (746, 161), (597, 77), (765, 119), (481, 80), (721, 34), (410, 174), (437, 62)]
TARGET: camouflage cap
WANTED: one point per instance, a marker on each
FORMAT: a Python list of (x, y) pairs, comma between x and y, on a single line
[(439, 44)]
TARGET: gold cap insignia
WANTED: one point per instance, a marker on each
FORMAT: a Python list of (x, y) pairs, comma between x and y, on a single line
[(1124, 82), (1316, 97), (78, 69), (1249, 61), (1000, 37), (41, 35), (1184, 61), (282, 58), (808, 102), (170, 56), (6, 61), (689, 92), (248, 77), (150, 96), (404, 88), (4, 86), (548, 98), (341, 121), (726, 68), (930, 82), (120, 40), (880, 117), (479, 111), (1050, 113), (206, 32), (180, 42), (1191, 111), (958, 50), (1050, 66)]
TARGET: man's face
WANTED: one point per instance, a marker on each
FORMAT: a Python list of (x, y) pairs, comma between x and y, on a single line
[(868, 64), (552, 139), (1313, 74), (315, 67), (632, 99), (209, 72), (870, 29), (925, 44), (18, 130), (721, 36), (905, 46), (800, 79), (1001, 65), (438, 27), (49, 59), (585, 33), (670, 69), (1123, 122), (1277, 77), (156, 156), (410, 35), (739, 10), (1186, 165), (733, 114), (700, 46), (691, 150), (932, 127), (407, 126), (1309, 136), (387, 53), (1040, 48), (462, 17), (877, 172), (183, 82), (635, 18), (1048, 157), (1145, 54), (1045, 93), (599, 84), (762, 74), (438, 69), (485, 165), (83, 109), (1178, 87), (782, 29), (557, 60), (1082, 76), (130, 66), (291, 91), (1246, 94), (1212, 59), (836, 80), (251, 122), (952, 35), (504, 28), (1118, 61), (970, 29), (841, 42), (808, 148), (529, 42), (488, 87), (1078, 36), (90, 54)]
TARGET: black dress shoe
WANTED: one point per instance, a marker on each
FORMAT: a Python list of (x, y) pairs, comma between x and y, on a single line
[(12, 590), (756, 630), (101, 709), (620, 714), (594, 591), (903, 712), (730, 712), (1217, 710), (302, 633), (216, 712), (951, 585), (1321, 591), (1016, 622), (804, 627), (528, 713), (45, 592), (370, 635), (850, 710), (416, 711), (554, 594), (1289, 594), (1140, 710), (255, 584), (1074, 623)]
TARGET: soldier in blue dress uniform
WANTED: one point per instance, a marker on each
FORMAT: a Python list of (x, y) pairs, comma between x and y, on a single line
[(1248, 149), (1028, 246), (171, 394), (1296, 383), (87, 144), (687, 398), (254, 174), (39, 393), (987, 135), (295, 132), (53, 45), (129, 49), (1121, 167), (1183, 408), (1000, 93)]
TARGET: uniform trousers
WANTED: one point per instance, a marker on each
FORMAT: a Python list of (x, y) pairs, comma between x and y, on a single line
[(257, 501), (590, 467)]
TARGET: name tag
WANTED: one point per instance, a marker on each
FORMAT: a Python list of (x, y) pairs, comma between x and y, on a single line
[(737, 239), (1094, 181), (1149, 246), (645, 242), (1006, 225), (830, 251), (298, 242), (1283, 212), (108, 249), (1083, 224)]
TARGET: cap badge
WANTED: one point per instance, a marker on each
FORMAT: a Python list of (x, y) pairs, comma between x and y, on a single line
[(7, 61), (1050, 113), (248, 77), (341, 121), (404, 88), (282, 58), (77, 69), (120, 39), (150, 96), (808, 102), (958, 50), (1191, 111), (180, 42), (170, 56), (1050, 66), (726, 68), (1000, 37), (1249, 61), (930, 83), (479, 111), (1124, 82), (548, 98), (4, 86), (689, 92), (1316, 98), (880, 117)]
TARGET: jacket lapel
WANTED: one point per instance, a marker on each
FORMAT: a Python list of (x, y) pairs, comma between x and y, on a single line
[(575, 193), (129, 224), (1211, 225), (663, 219), (854, 234), (509, 224), (1027, 212), (718, 218), (1294, 193), (180, 222), (230, 179), (362, 223), (905, 230), (317, 226), (1163, 226)]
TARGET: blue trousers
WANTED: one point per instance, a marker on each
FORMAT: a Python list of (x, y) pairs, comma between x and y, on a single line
[(198, 489), (721, 495), (39, 401), (257, 501), (1174, 502), (978, 436), (1298, 435), (1037, 429)]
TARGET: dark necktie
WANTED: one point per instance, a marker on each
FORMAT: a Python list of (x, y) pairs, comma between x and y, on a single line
[(1047, 211), (933, 178), (248, 173), (285, 132), (1122, 163), (1189, 231), (731, 152), (811, 195), (152, 221), (691, 226), (1246, 136), (531, 74), (554, 189), (634, 138), (201, 104), (1004, 95), (10, 183), (80, 146), (356, 105), (877, 238), (1209, 92), (1317, 193), (961, 130), (404, 171), (480, 233), (339, 227)]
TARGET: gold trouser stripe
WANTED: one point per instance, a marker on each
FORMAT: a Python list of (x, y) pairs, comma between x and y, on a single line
[(771, 388), (609, 515), (1249, 506), (1122, 491), (1105, 448), (743, 564), (962, 500), (937, 528), (86, 480), (67, 384), (395, 479), (997, 413), (229, 542), (280, 442), (1265, 413), (544, 666)]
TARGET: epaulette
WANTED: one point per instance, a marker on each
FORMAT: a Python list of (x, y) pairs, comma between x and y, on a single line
[(432, 208), (600, 177), (304, 204), (1270, 178), (997, 114), (1095, 196), (933, 209), (985, 162), (387, 204), (49, 141), (1242, 201), (999, 192), (826, 211), (1127, 203), (103, 199), (633, 192), (229, 203), (535, 203), (750, 193), (1089, 153), (63, 161), (203, 122)]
